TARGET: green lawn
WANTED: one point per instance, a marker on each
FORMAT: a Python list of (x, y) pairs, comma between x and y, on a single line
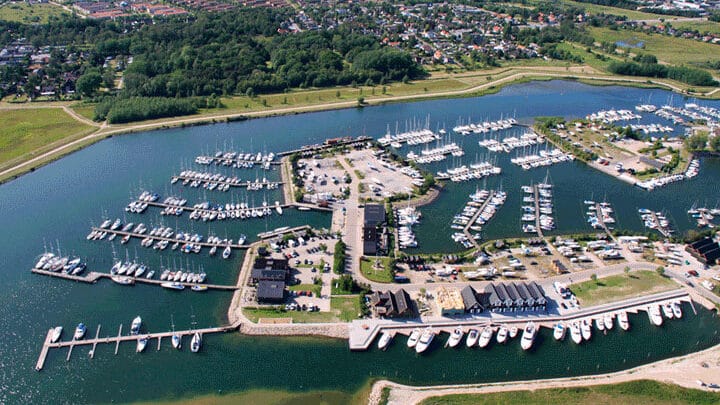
[(634, 392), (86, 110), (701, 26), (341, 309), (614, 288), (29, 14), (377, 275), (668, 49), (24, 133)]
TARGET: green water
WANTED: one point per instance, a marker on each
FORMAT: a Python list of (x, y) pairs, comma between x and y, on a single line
[(58, 203)]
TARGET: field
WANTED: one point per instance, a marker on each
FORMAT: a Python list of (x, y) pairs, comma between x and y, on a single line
[(29, 14), (341, 309), (701, 26), (614, 288), (28, 132), (634, 392), (676, 51)]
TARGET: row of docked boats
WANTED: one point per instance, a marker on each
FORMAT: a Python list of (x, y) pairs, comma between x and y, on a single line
[(599, 214), (541, 158), (475, 171), (421, 339), (131, 269), (651, 128), (237, 160), (610, 116), (220, 182), (662, 181), (704, 216), (511, 142), (60, 264), (436, 154), (415, 137), (406, 218), (656, 221), (485, 126), (483, 205)]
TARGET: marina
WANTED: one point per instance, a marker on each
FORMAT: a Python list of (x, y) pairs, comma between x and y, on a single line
[(485, 126), (207, 211), (657, 221), (188, 243), (238, 160), (220, 182)]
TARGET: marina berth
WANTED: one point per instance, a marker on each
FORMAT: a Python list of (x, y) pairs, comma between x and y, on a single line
[(654, 315), (385, 340), (575, 333), (220, 182), (455, 337), (485, 337), (485, 126), (238, 160), (414, 337), (472, 338), (528, 336), (586, 329), (436, 154), (623, 320), (425, 340), (559, 331), (502, 334)]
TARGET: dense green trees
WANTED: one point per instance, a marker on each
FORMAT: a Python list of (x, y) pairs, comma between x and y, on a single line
[(89, 83), (692, 76), (696, 142), (142, 108)]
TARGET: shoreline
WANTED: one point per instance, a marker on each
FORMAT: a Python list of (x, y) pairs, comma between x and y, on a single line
[(517, 75), (679, 370)]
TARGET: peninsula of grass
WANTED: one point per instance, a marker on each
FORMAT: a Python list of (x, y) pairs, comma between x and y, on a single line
[(614, 288), (25, 133), (633, 392), (376, 269)]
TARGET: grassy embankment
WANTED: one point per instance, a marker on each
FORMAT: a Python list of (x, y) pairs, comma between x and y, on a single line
[(342, 309), (614, 288), (25, 133), (633, 392), (30, 14)]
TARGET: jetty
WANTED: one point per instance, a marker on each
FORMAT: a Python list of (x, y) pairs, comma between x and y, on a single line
[(281, 231), (188, 179), (329, 144), (224, 160), (170, 240), (208, 211), (116, 340), (466, 229), (536, 194), (93, 276)]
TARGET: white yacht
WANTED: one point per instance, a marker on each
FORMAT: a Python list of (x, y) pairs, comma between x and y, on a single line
[(278, 208), (472, 337), (623, 320), (667, 310), (196, 342), (425, 340), (141, 343), (135, 327), (57, 332), (455, 337), (385, 340), (599, 324), (80, 331), (528, 336), (414, 337), (226, 253), (485, 336), (559, 331), (654, 315), (513, 332), (575, 333), (502, 334), (608, 321), (677, 310), (586, 329), (176, 341)]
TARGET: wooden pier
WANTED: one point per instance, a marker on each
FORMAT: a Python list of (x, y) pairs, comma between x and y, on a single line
[(93, 276), (209, 211), (47, 345), (329, 143), (466, 229), (536, 194), (664, 231), (157, 238)]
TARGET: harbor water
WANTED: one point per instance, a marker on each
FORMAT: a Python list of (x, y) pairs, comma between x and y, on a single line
[(56, 205)]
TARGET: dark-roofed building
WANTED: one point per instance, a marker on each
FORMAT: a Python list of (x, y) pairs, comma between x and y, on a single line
[(391, 304), (472, 300), (373, 223), (559, 267), (271, 291), (521, 296), (706, 250), (270, 269)]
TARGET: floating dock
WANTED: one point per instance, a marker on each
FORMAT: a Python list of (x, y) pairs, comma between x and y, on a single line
[(47, 345), (470, 223), (243, 184), (210, 211), (93, 276), (157, 238), (278, 232)]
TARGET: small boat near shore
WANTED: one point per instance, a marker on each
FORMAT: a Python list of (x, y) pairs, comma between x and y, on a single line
[(57, 332), (385, 340), (528, 336), (502, 334), (425, 340), (575, 333), (80, 331), (586, 329), (485, 336), (654, 315), (414, 337), (623, 320), (559, 331)]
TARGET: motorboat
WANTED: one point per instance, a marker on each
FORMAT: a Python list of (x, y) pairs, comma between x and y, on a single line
[(559, 331), (586, 329), (196, 342), (173, 286), (608, 321), (623, 320), (425, 340), (414, 337), (502, 334), (141, 343), (677, 310), (599, 324), (575, 333), (80, 331), (56, 333), (485, 336), (124, 280), (176, 341), (654, 315), (385, 340), (135, 326), (198, 287), (472, 337), (227, 252), (455, 337), (513, 332), (667, 310), (528, 336)]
